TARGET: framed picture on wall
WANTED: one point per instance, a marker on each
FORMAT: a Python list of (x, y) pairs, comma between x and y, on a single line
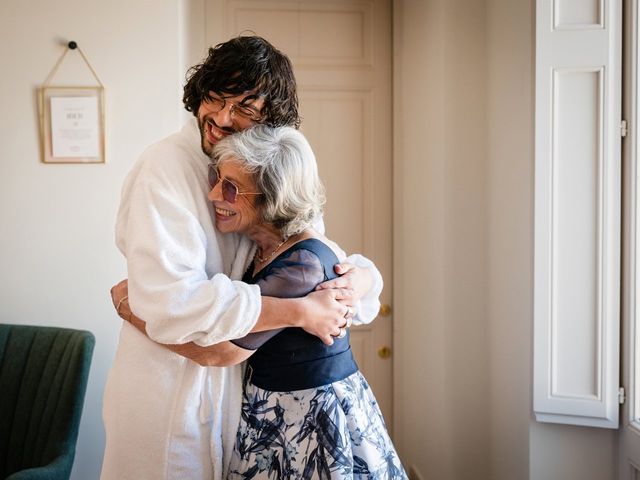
[(72, 124)]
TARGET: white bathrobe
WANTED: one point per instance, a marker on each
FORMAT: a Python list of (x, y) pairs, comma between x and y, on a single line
[(165, 416)]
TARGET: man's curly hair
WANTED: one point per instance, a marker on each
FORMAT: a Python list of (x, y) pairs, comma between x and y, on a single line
[(241, 65)]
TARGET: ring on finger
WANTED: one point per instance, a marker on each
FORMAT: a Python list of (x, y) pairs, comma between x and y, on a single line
[(343, 332)]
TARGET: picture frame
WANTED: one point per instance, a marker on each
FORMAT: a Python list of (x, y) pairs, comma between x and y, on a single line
[(72, 124)]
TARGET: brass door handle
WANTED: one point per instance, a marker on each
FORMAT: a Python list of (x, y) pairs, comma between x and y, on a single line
[(385, 310), (384, 352)]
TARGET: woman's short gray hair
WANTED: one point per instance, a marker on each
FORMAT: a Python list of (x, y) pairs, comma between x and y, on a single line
[(285, 171)]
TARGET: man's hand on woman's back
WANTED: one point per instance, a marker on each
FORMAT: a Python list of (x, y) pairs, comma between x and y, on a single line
[(356, 279)]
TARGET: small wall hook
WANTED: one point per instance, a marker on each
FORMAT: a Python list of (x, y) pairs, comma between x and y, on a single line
[(72, 45)]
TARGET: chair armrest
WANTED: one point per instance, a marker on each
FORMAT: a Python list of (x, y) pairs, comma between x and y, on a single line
[(57, 469)]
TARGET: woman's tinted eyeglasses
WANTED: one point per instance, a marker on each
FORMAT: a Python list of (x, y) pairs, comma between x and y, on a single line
[(230, 190)]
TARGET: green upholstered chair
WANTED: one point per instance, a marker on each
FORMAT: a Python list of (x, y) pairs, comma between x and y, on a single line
[(43, 379)]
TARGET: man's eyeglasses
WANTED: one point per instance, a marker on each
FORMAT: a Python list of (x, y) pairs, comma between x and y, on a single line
[(236, 110), (230, 190)]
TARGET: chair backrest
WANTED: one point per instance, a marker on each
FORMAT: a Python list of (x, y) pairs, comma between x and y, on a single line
[(43, 379)]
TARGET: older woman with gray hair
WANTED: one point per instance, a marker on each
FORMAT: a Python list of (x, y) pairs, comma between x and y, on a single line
[(307, 411)]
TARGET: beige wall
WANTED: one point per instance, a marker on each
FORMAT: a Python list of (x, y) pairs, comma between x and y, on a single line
[(510, 232), (58, 255), (441, 365), (464, 250)]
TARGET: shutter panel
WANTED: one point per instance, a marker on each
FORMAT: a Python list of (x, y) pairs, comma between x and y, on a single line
[(577, 212)]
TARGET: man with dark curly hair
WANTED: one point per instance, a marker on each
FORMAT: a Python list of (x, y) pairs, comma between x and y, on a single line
[(167, 417)]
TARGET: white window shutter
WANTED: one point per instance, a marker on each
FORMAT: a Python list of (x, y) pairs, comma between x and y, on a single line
[(577, 211)]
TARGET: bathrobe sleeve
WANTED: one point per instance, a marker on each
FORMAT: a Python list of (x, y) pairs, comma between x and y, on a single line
[(368, 307), (160, 232)]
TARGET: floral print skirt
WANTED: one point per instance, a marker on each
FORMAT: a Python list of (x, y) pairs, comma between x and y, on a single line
[(331, 432)]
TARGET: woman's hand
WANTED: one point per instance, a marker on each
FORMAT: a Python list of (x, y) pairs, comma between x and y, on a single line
[(356, 279), (119, 297), (329, 312)]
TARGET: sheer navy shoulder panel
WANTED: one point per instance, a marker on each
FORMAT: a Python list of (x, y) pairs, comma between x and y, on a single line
[(293, 274)]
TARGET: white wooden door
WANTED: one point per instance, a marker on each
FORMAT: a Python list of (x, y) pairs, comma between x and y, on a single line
[(341, 52)]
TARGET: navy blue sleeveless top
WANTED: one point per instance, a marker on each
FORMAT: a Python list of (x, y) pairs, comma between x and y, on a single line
[(294, 359)]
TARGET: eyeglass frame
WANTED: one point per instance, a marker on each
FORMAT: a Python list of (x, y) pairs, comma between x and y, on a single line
[(244, 112), (213, 170)]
